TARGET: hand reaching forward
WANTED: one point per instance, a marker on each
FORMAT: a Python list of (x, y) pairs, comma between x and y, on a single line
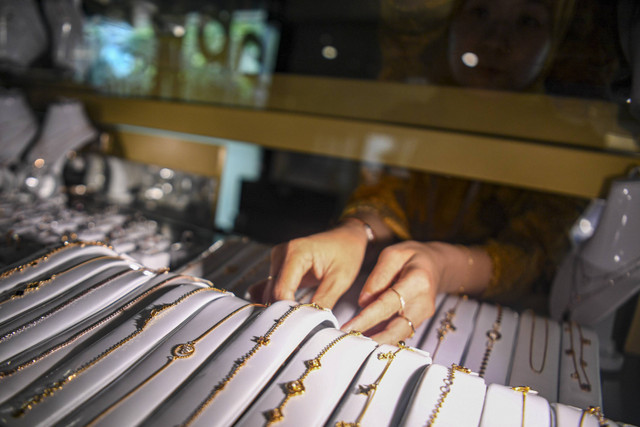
[(330, 260), (401, 289)]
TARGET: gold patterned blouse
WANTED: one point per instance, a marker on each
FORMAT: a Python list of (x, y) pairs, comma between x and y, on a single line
[(524, 232)]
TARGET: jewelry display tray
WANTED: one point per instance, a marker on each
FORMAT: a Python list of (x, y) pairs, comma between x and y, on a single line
[(188, 357)]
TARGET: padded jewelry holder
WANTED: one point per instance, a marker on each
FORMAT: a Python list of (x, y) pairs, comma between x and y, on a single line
[(461, 406), (215, 257), (579, 367), (569, 416), (503, 407), (499, 358), (108, 358), (536, 360), (451, 348), (422, 329), (142, 389), (261, 362), (396, 376), (323, 387)]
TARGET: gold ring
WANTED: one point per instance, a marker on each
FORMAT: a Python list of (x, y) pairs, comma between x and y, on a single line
[(269, 278), (402, 303), (413, 329)]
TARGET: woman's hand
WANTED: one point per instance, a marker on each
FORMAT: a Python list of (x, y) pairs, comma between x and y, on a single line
[(329, 261), (406, 273)]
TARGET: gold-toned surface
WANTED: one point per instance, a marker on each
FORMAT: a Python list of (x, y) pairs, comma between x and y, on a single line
[(524, 390), (445, 390), (583, 379), (546, 344), (493, 335), (446, 324)]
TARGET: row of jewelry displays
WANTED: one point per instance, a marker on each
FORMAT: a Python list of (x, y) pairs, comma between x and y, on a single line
[(559, 360), (89, 337)]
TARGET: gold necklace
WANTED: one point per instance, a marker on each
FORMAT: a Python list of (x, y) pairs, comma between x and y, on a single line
[(586, 385), (493, 335), (546, 343), (296, 387), (445, 390), (46, 256), (596, 411), (370, 389), (239, 363), (524, 390), (52, 388), (180, 351), (75, 337), (446, 325), (38, 284)]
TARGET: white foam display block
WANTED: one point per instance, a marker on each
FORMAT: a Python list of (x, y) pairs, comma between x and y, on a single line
[(505, 407), (570, 416)]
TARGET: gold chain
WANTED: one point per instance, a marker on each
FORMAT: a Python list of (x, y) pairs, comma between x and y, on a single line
[(524, 390), (38, 284), (41, 356), (596, 411), (46, 256), (296, 387), (445, 390), (446, 324), (493, 335), (370, 389), (546, 343), (586, 385), (239, 363), (52, 388), (180, 351)]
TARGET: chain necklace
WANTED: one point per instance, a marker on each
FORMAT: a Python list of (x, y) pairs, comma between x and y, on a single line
[(596, 411), (493, 335), (260, 342), (296, 387), (524, 390), (370, 389), (35, 285), (34, 262), (52, 388), (546, 343), (446, 324), (9, 372), (586, 384), (178, 352), (445, 390)]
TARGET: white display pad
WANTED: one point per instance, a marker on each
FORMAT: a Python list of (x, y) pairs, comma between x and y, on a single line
[(461, 406), (109, 357), (53, 286), (569, 416), (536, 361), (579, 367), (323, 387), (451, 348), (48, 353), (505, 407), (378, 396), (105, 294), (139, 391), (73, 252), (497, 365), (421, 330), (285, 324)]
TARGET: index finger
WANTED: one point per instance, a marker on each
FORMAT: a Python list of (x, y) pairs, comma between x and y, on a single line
[(385, 306), (291, 270)]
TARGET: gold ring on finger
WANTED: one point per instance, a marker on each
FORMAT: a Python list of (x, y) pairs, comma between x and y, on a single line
[(402, 303), (413, 329)]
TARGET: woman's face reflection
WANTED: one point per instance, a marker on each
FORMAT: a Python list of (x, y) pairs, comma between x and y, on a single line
[(500, 44)]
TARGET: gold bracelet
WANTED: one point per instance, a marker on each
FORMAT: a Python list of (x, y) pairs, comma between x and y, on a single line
[(524, 390), (239, 363), (370, 389), (52, 388), (296, 387), (99, 323), (180, 351), (586, 384), (446, 324), (46, 256), (445, 390), (596, 411), (493, 335), (546, 343), (35, 285)]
